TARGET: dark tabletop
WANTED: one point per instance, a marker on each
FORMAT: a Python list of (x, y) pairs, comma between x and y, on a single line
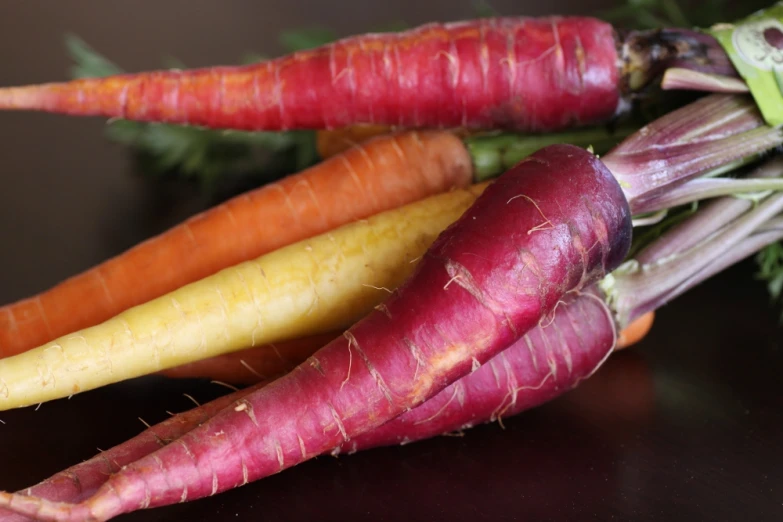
[(688, 425)]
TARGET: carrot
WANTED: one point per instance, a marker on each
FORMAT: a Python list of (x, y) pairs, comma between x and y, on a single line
[(255, 364), (490, 278), (636, 330), (379, 175), (311, 287), (497, 272), (527, 74), (574, 345)]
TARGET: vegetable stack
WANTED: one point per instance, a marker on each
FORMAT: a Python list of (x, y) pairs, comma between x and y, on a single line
[(418, 283)]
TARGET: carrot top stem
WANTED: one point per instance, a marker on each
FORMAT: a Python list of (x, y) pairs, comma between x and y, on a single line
[(703, 138), (704, 188), (709, 219), (635, 288), (678, 78), (648, 54)]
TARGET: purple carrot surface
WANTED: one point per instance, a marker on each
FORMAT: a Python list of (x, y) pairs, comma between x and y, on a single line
[(556, 222), (522, 73), (547, 361)]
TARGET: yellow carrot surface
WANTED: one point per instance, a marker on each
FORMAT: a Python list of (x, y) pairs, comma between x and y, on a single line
[(307, 288)]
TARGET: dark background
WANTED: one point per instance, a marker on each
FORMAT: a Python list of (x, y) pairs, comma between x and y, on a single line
[(686, 426)]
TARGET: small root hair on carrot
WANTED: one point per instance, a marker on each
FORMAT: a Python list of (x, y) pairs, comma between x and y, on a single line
[(144, 422), (225, 385), (192, 399), (459, 433), (376, 287), (542, 226), (351, 340), (549, 318), (250, 368), (453, 279)]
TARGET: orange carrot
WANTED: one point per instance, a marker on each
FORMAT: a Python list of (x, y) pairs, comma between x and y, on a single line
[(636, 331), (383, 173)]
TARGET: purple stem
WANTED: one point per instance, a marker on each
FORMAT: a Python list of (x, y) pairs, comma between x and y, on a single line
[(703, 138), (767, 234), (709, 219), (646, 174), (633, 287), (711, 117)]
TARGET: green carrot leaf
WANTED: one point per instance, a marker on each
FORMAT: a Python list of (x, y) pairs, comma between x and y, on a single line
[(88, 63), (770, 263), (306, 38)]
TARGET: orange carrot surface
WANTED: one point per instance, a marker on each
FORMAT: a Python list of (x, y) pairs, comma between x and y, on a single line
[(636, 331)]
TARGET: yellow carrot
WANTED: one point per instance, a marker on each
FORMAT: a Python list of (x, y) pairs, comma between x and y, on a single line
[(307, 288)]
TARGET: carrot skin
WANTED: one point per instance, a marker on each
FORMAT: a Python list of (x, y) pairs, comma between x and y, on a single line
[(548, 361), (545, 363), (379, 175), (555, 223), (529, 74)]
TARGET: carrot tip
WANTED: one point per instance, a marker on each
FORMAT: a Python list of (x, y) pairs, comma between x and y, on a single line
[(636, 331)]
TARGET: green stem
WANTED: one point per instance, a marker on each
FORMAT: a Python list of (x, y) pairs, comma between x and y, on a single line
[(494, 154)]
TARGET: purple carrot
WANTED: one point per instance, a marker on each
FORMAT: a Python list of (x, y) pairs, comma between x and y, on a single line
[(548, 361)]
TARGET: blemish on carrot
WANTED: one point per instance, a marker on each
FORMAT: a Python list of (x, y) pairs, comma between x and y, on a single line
[(376, 287), (384, 310), (315, 363), (351, 339), (279, 453)]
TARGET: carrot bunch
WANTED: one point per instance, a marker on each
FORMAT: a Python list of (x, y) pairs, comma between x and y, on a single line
[(416, 282)]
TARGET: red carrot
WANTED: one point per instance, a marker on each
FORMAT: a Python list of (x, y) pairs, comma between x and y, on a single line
[(550, 225), (530, 74), (548, 361)]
